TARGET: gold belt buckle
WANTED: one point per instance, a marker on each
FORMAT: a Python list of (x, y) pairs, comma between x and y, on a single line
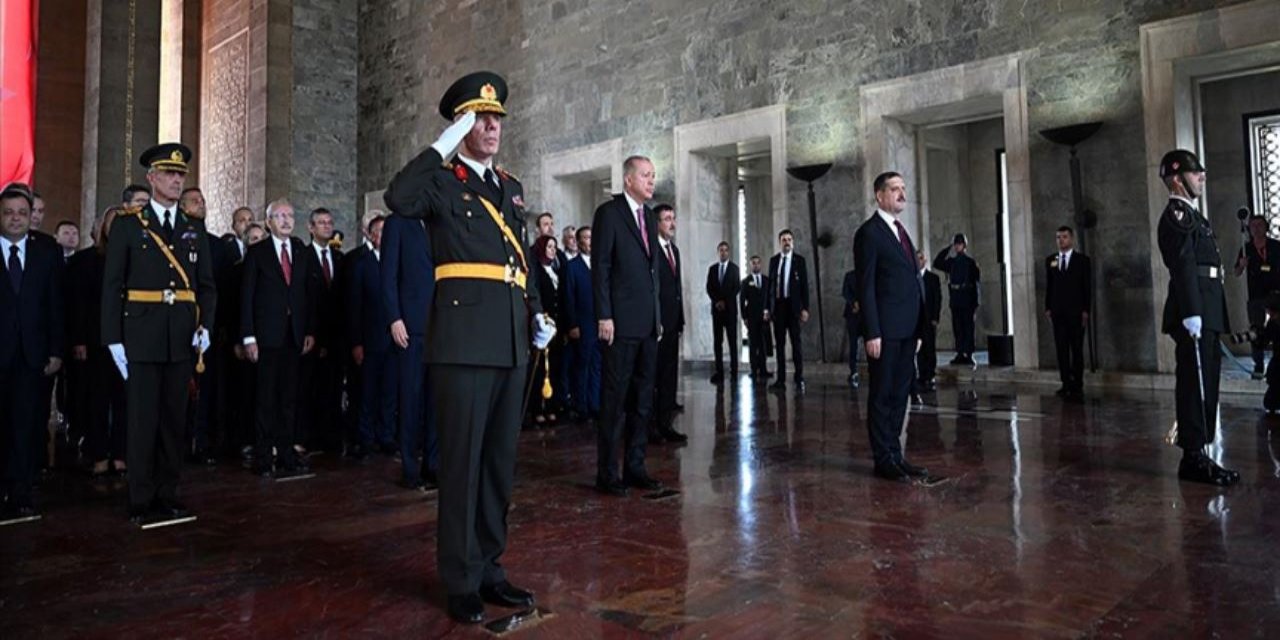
[(168, 297), (509, 274)]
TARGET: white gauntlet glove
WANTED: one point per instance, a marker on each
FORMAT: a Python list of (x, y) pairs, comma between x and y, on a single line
[(448, 142), (1192, 325), (200, 340), (544, 329), (122, 363)]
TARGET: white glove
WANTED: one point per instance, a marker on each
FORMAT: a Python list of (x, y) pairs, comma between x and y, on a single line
[(122, 363), (1192, 325), (447, 144), (544, 329), (200, 340)]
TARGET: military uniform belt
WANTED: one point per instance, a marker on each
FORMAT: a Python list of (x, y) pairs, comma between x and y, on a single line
[(1207, 271), (166, 296), (509, 274)]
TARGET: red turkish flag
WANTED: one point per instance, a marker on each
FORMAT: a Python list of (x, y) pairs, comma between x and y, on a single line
[(18, 21)]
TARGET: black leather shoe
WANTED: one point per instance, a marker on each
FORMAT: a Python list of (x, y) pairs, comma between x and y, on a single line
[(138, 514), (1229, 476), (800, 385), (854, 381), (263, 470), (612, 488), (892, 472), (642, 482), (505, 594), (412, 485), (467, 609), (430, 482), (357, 452), (671, 435), (912, 470), (1061, 392), (717, 378), (1197, 467), (169, 508), (779, 385), (679, 407)]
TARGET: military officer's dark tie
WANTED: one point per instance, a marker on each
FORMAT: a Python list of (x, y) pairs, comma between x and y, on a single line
[(15, 269), (168, 224), (492, 181), (1062, 263)]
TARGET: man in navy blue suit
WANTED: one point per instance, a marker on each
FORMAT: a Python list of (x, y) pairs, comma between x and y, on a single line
[(31, 344), (408, 286), (580, 318), (370, 337), (891, 295)]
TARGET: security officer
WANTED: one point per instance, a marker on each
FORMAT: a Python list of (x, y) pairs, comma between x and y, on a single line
[(963, 277), (157, 298), (1195, 313), (484, 314)]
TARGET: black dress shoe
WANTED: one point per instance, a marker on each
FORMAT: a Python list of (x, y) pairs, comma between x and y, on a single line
[(912, 470), (779, 385), (169, 508), (917, 400), (853, 381), (800, 384), (505, 594), (642, 482), (678, 408), (263, 470), (137, 514), (717, 378), (892, 472), (411, 485), (467, 609), (671, 435), (430, 482), (1197, 467), (18, 511), (612, 488), (357, 452), (1230, 476)]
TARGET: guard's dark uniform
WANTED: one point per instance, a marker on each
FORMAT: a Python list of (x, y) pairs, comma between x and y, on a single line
[(1190, 252), (150, 307), (478, 343), (963, 277)]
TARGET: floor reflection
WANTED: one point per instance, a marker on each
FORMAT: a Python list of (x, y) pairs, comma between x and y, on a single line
[(1060, 519)]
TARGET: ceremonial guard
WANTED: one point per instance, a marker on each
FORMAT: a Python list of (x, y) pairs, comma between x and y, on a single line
[(483, 319), (1195, 314), (158, 297), (962, 280)]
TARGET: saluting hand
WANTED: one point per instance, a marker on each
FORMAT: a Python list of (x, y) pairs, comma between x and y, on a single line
[(448, 141)]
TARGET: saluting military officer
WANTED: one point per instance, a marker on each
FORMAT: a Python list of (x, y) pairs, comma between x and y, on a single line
[(158, 299), (485, 312), (1195, 314)]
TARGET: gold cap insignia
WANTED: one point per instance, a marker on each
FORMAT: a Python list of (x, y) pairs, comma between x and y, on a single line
[(176, 156), (488, 92)]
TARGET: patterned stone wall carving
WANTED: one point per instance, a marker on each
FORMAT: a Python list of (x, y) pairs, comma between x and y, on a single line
[(224, 134)]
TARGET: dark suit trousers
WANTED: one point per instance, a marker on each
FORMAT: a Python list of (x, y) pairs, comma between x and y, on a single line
[(1197, 423), (927, 358), (481, 406), (242, 408), (320, 401), (724, 325), (668, 375), (417, 413), (378, 403), (587, 360), (157, 407), (626, 400), (962, 328), (207, 430), (20, 387), (276, 417), (756, 337), (891, 375), (787, 324), (853, 326), (105, 433), (1068, 337)]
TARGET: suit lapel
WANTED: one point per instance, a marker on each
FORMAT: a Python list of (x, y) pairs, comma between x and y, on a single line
[(630, 218), (893, 237)]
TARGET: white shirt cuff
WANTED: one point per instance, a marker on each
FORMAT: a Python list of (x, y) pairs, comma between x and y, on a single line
[(250, 340)]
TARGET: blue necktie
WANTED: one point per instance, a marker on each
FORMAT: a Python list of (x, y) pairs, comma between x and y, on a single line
[(15, 269)]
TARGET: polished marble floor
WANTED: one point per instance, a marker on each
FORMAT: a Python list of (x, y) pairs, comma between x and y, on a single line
[(1061, 520)]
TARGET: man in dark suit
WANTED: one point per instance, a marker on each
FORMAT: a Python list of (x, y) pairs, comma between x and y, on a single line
[(369, 333), (625, 279), (1067, 296), (485, 315), (352, 378), (787, 306), (320, 380), (156, 303), (407, 289), (722, 289), (671, 306), (205, 431), (755, 293), (580, 321), (927, 357), (278, 327), (31, 344), (852, 321), (892, 297), (238, 405)]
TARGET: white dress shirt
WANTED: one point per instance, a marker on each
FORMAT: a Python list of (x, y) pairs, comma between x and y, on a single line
[(5, 243)]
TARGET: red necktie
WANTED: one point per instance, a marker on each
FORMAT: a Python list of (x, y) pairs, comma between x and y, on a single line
[(644, 230), (671, 259), (328, 272), (285, 265), (904, 241)]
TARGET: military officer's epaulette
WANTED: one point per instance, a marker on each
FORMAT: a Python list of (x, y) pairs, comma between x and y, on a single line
[(506, 175), (1180, 213)]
